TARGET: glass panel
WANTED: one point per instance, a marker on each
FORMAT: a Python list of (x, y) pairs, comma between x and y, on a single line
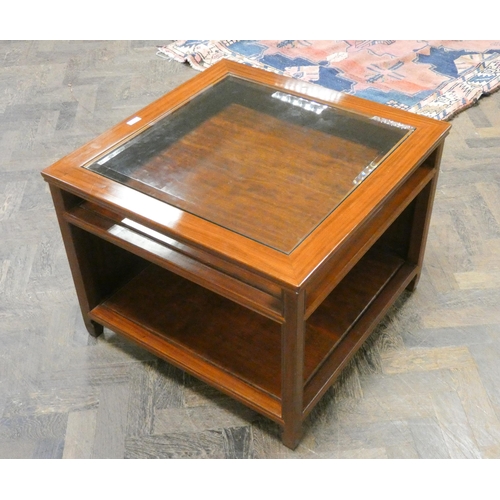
[(262, 163)]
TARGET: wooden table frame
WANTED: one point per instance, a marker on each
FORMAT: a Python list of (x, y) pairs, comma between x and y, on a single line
[(313, 307)]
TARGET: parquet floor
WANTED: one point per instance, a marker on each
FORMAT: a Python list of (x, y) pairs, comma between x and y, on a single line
[(427, 384)]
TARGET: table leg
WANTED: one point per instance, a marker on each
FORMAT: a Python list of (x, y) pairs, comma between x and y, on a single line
[(292, 372), (62, 202), (98, 267), (421, 219)]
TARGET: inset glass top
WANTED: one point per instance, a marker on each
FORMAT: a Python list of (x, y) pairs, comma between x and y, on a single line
[(265, 164)]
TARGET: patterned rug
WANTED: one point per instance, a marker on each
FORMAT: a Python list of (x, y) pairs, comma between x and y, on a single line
[(433, 78)]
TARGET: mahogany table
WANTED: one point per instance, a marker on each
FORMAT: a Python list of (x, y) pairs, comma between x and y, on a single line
[(250, 229)]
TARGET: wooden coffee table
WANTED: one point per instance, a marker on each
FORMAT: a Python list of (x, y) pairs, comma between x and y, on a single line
[(250, 229)]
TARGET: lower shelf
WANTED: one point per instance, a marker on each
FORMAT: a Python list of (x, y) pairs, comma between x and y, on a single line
[(233, 348)]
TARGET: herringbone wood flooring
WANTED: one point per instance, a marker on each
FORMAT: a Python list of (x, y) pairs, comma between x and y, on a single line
[(426, 385)]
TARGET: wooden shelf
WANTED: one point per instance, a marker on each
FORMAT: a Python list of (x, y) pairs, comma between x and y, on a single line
[(345, 349), (345, 305), (192, 326), (171, 255), (207, 326)]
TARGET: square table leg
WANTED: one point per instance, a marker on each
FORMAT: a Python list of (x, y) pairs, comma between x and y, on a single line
[(292, 372), (81, 268), (421, 219)]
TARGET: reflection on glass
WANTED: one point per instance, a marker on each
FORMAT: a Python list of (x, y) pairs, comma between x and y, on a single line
[(265, 164), (300, 102)]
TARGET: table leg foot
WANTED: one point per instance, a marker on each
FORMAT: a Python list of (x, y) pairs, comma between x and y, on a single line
[(291, 435), (412, 285), (94, 329)]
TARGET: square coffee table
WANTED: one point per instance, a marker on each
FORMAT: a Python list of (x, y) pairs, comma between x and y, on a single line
[(250, 229)]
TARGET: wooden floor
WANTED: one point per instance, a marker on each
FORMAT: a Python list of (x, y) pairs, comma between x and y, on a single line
[(427, 384)]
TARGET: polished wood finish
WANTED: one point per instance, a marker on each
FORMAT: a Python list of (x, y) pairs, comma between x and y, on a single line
[(270, 328)]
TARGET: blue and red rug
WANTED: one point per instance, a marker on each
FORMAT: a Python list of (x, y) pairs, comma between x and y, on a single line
[(433, 78)]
